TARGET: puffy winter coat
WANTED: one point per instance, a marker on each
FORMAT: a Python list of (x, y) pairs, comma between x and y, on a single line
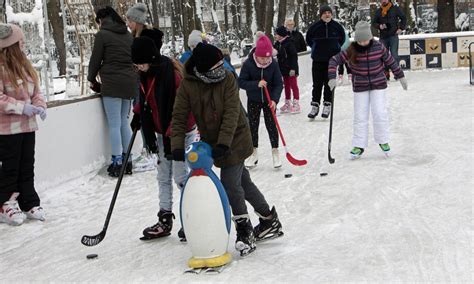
[(251, 74), (219, 116), (111, 59), (298, 39), (368, 72), (394, 20), (287, 56), (325, 40), (12, 102)]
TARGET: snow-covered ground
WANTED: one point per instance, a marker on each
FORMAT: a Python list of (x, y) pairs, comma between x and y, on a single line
[(405, 218)]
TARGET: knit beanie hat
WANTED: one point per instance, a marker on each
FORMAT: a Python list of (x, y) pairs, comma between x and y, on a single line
[(205, 56), (137, 13), (264, 47), (281, 31), (10, 34), (362, 31), (143, 50), (324, 8), (195, 37), (156, 35)]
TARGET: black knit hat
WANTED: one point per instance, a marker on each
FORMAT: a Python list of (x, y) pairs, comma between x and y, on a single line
[(205, 56), (156, 35), (281, 31), (143, 50), (324, 8)]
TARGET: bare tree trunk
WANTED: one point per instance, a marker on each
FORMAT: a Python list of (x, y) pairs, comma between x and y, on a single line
[(56, 22), (446, 16), (226, 15), (248, 18), (296, 17), (154, 14), (260, 9), (196, 20), (269, 19), (233, 13), (3, 15), (281, 12)]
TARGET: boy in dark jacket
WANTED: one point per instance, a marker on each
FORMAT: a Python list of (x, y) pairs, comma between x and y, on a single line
[(258, 71), (325, 37), (390, 21), (288, 63), (211, 93)]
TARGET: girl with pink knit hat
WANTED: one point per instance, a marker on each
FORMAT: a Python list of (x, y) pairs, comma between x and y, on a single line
[(258, 71), (20, 102)]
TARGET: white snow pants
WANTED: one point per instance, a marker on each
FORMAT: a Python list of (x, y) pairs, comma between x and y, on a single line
[(374, 101)]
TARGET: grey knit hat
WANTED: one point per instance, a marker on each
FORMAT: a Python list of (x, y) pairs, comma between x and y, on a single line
[(137, 13), (362, 31)]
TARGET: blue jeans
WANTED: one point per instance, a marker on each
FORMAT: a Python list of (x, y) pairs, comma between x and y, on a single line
[(117, 111), (391, 43), (167, 170)]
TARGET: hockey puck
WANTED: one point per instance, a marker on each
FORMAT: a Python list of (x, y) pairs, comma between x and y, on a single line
[(92, 256), (288, 175), (323, 174)]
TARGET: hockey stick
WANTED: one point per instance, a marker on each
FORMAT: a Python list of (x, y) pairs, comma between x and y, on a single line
[(94, 240), (331, 159), (290, 158)]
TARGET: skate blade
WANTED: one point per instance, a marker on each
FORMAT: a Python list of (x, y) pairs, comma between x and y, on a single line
[(354, 157), (244, 249), (271, 237), (145, 238)]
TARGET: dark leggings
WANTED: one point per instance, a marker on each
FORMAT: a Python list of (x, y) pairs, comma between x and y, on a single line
[(254, 109)]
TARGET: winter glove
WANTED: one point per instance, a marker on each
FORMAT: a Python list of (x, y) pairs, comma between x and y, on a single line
[(404, 83), (220, 151), (95, 86), (136, 123), (178, 155), (30, 110), (42, 113), (292, 73), (332, 84)]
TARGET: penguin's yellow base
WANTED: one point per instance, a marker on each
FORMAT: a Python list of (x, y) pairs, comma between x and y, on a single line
[(210, 262)]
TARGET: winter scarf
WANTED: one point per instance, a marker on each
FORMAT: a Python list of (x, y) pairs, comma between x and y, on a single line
[(385, 8), (215, 75), (165, 93), (261, 65)]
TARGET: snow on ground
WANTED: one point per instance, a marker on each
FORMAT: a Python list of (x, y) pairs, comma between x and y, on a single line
[(406, 218)]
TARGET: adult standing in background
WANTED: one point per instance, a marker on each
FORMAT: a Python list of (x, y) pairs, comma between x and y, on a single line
[(295, 35), (390, 20), (111, 59), (325, 37)]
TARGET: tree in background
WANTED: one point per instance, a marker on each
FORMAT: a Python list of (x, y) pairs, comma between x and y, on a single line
[(446, 16)]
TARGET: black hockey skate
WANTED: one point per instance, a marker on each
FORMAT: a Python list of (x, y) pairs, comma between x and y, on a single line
[(160, 229), (269, 227), (245, 242)]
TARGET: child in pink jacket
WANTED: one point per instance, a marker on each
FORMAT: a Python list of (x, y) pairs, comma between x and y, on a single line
[(20, 102)]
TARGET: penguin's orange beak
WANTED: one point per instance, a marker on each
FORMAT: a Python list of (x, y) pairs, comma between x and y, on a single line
[(193, 157)]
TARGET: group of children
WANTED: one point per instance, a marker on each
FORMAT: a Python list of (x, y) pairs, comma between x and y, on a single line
[(177, 104)]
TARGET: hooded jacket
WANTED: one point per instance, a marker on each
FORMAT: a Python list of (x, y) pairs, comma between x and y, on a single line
[(219, 116), (111, 59)]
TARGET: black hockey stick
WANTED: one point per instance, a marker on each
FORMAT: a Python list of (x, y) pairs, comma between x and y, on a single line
[(331, 159), (94, 240)]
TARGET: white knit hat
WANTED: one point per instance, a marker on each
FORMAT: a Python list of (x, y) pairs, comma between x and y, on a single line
[(362, 31), (195, 37), (10, 34)]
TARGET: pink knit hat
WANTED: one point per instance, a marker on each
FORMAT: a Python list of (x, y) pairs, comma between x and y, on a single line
[(264, 47), (10, 34)]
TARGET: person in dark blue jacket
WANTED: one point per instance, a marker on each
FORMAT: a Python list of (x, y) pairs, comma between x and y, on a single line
[(325, 37), (258, 71)]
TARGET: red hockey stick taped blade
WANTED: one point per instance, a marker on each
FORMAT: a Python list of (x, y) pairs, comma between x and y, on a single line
[(295, 161)]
